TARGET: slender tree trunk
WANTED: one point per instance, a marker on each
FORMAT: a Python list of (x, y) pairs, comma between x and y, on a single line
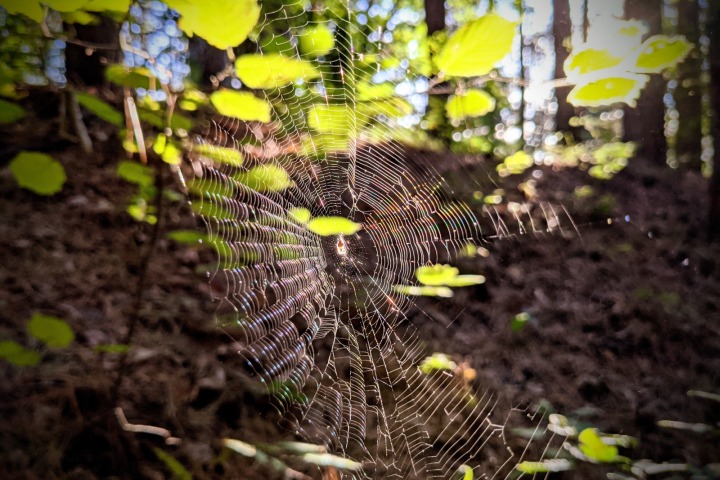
[(714, 57), (645, 124), (688, 94), (435, 15), (562, 30)]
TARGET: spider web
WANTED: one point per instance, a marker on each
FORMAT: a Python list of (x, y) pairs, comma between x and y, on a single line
[(317, 319)]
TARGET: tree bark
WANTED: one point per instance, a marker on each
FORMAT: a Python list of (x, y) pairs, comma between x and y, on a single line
[(645, 124), (562, 30), (435, 15), (714, 58), (688, 94)]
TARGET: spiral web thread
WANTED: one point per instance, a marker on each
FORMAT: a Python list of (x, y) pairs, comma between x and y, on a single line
[(323, 327)]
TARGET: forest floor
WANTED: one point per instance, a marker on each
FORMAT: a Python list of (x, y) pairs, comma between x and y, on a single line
[(623, 322)]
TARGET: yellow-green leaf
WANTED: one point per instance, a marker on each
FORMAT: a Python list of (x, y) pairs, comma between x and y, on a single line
[(65, 5), (107, 6), (38, 172), (609, 90), (241, 105), (316, 41), (10, 112), (436, 274), (101, 109), (328, 226), (477, 47), (424, 291), (229, 156), (300, 214), (52, 331), (129, 77), (265, 178), (31, 9), (584, 60), (552, 465), (473, 103), (16, 354), (390, 107), (660, 52), (136, 173), (466, 471), (515, 164), (81, 17), (437, 362), (273, 70), (465, 280), (593, 447), (222, 23), (336, 123), (374, 91)]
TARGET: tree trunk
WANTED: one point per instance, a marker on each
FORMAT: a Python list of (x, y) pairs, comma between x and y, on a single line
[(645, 124), (562, 30), (714, 57), (688, 94), (435, 15)]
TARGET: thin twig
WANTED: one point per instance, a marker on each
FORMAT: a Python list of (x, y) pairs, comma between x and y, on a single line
[(80, 128), (150, 429), (131, 110), (142, 277)]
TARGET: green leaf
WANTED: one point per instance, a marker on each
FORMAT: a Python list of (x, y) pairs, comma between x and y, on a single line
[(465, 280), (31, 9), (424, 291), (121, 6), (117, 348), (593, 447), (168, 151), (65, 5), (329, 226), (374, 91), (222, 23), (301, 215), (188, 237), (519, 322), (52, 331), (177, 469), (38, 172), (390, 107), (585, 60), (16, 354), (316, 41), (10, 112), (337, 124), (473, 103), (265, 178), (136, 173), (436, 274), (466, 471), (273, 70), (328, 460), (477, 47), (553, 465), (80, 18), (130, 77), (515, 164), (660, 52), (241, 105), (222, 155), (606, 91), (101, 109), (437, 362)]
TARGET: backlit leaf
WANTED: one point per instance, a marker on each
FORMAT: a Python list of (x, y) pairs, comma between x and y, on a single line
[(265, 178), (436, 274), (31, 9), (80, 17), (107, 6), (38, 172), (129, 77), (222, 23), (10, 112), (609, 90), (374, 91), (515, 164), (52, 331), (437, 362), (660, 52), (328, 460), (424, 291), (466, 471), (187, 237), (301, 215), (593, 447), (473, 103), (552, 465), (241, 105), (101, 109), (136, 173), (328, 226), (588, 59), (16, 354), (224, 155), (273, 70), (65, 5), (336, 123), (316, 41), (465, 280), (390, 107), (477, 47)]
